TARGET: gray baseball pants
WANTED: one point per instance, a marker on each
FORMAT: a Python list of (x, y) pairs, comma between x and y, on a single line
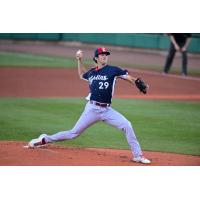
[(91, 115)]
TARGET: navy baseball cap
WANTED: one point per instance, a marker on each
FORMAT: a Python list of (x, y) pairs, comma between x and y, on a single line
[(101, 50)]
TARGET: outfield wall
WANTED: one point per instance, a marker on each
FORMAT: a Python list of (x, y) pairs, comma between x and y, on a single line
[(135, 40)]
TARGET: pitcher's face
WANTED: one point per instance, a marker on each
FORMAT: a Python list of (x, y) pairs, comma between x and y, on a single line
[(102, 59)]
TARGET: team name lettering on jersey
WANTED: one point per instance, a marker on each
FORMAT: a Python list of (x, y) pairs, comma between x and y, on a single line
[(98, 77), (102, 82)]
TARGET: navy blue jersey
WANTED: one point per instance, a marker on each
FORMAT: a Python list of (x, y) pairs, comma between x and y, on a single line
[(102, 82)]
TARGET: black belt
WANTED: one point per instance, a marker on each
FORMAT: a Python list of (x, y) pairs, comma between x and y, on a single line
[(100, 104)]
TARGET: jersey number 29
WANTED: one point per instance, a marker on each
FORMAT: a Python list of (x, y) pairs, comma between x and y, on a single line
[(103, 85)]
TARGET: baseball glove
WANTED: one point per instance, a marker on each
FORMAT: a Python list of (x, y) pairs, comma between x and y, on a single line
[(141, 85)]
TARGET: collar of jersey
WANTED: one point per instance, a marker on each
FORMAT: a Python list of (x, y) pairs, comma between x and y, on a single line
[(97, 68)]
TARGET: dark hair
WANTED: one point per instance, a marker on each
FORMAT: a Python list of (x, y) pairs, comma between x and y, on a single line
[(94, 60)]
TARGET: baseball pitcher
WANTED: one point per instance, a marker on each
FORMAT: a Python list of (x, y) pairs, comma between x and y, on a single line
[(101, 80)]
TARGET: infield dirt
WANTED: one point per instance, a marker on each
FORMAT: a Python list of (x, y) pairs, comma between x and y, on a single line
[(14, 154)]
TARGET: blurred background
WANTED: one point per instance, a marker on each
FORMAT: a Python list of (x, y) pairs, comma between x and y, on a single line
[(141, 51), (135, 40)]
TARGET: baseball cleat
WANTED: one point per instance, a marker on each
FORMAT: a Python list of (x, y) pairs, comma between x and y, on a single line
[(141, 159), (38, 142)]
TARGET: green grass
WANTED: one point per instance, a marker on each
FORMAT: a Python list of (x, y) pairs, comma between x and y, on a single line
[(159, 125), (11, 59), (30, 60)]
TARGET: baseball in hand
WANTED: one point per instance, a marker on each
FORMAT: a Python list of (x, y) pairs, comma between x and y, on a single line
[(79, 54)]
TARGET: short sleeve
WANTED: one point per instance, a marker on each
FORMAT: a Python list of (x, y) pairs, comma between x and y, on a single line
[(85, 76), (121, 72)]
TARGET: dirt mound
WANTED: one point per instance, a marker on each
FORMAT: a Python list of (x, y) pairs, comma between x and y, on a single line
[(14, 154)]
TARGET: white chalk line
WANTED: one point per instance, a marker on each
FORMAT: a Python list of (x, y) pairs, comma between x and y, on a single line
[(41, 148)]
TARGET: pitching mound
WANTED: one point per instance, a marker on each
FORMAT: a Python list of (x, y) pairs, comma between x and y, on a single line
[(14, 154)]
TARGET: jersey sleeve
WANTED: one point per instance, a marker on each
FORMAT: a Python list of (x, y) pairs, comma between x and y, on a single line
[(121, 72), (85, 76)]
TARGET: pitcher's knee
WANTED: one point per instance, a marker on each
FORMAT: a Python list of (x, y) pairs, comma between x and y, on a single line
[(74, 133), (126, 126)]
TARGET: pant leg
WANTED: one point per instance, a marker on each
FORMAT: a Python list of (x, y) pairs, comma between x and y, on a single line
[(184, 63), (184, 59), (114, 118), (87, 118), (170, 58)]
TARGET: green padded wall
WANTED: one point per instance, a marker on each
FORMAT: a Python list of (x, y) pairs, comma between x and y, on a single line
[(137, 40)]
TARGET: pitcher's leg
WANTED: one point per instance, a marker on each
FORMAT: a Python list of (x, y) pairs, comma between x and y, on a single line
[(87, 118), (117, 120)]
